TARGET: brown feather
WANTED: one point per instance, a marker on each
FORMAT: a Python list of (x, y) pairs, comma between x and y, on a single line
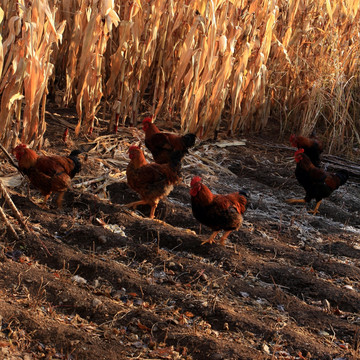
[(151, 181), (46, 173), (162, 145)]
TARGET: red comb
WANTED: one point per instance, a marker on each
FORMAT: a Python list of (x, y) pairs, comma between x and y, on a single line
[(20, 146), (195, 180), (133, 147), (293, 139), (297, 152), (147, 120)]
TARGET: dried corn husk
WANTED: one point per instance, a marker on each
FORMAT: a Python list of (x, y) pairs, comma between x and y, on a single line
[(203, 63)]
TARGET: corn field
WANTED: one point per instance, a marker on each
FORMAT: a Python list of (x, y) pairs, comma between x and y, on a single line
[(205, 65)]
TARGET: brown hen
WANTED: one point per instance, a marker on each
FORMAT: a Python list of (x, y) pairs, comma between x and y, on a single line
[(163, 145), (48, 173), (151, 181), (218, 212)]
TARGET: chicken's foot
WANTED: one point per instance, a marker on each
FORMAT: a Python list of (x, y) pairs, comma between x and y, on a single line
[(316, 209), (211, 239), (44, 204), (224, 237)]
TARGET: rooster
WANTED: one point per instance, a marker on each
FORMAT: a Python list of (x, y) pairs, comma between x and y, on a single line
[(162, 145), (218, 212), (318, 183), (48, 173), (151, 181), (312, 146)]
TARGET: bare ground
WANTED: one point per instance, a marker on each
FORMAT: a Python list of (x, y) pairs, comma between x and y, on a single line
[(96, 281)]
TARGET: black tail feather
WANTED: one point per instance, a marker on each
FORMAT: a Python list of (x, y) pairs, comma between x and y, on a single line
[(189, 140), (175, 161), (245, 193), (75, 153), (343, 176), (77, 164)]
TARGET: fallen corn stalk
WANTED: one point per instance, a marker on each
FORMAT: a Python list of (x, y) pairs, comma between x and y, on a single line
[(14, 209), (8, 224)]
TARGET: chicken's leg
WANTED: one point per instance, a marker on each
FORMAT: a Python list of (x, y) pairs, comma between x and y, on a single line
[(44, 204), (315, 211), (60, 199), (211, 239), (224, 237), (152, 210), (135, 204), (295, 201)]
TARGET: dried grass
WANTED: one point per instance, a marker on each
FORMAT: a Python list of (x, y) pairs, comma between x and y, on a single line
[(207, 65)]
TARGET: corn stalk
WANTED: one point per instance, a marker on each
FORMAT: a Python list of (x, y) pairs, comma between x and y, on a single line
[(205, 65), (25, 65)]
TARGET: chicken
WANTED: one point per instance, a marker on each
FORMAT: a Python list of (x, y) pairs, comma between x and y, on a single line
[(48, 173), (312, 146), (218, 212), (317, 183), (151, 181), (162, 145)]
